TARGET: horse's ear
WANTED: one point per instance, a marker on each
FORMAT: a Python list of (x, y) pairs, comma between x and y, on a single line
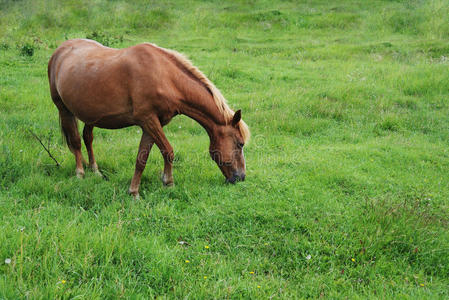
[(237, 117)]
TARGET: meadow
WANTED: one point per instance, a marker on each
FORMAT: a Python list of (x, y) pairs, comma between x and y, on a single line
[(346, 193)]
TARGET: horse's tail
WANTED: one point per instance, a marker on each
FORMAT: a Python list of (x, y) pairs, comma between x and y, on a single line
[(70, 122), (67, 121), (64, 134)]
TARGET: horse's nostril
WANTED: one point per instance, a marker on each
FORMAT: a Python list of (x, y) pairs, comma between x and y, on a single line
[(231, 180), (236, 176)]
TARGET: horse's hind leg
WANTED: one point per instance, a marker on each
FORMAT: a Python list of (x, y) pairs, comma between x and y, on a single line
[(88, 137), (70, 129)]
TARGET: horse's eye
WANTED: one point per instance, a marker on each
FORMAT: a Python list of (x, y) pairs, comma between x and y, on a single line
[(240, 145)]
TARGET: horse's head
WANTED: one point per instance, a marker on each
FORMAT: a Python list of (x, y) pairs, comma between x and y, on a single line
[(226, 148)]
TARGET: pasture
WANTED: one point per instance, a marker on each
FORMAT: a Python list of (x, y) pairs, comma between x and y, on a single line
[(346, 191)]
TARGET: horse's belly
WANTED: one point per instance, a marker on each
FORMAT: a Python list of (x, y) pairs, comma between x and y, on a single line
[(114, 121), (98, 106)]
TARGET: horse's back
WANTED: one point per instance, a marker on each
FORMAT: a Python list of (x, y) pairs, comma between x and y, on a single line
[(91, 81), (82, 59), (97, 83)]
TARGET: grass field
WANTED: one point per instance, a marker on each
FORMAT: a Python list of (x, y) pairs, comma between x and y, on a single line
[(347, 171)]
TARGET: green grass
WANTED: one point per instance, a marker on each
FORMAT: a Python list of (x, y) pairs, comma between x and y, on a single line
[(347, 172)]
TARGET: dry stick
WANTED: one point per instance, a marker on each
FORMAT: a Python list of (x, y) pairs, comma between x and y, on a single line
[(40, 141)]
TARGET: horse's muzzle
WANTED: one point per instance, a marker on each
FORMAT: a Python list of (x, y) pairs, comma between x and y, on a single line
[(236, 176)]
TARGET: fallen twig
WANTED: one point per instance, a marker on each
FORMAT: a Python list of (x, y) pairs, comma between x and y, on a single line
[(46, 149)]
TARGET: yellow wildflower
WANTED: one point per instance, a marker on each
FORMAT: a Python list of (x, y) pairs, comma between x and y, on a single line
[(207, 247), (187, 261), (353, 259), (252, 272)]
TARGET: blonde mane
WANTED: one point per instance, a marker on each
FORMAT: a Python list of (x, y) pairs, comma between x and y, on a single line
[(218, 97)]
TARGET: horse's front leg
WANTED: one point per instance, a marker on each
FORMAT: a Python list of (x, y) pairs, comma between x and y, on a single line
[(154, 128), (146, 142), (167, 177)]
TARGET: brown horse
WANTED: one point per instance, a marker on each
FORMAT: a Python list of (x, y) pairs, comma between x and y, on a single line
[(143, 85)]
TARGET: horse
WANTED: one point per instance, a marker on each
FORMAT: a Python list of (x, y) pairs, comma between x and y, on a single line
[(144, 85)]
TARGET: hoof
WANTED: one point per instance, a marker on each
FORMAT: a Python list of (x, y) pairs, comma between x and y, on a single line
[(135, 194), (79, 174), (169, 184), (95, 169), (98, 173), (167, 181)]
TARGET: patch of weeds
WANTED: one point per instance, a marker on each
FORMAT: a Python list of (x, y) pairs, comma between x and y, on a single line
[(274, 16), (4, 46), (104, 38), (26, 49), (233, 73), (388, 123)]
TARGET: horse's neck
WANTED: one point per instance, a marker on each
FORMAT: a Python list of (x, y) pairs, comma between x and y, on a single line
[(199, 105)]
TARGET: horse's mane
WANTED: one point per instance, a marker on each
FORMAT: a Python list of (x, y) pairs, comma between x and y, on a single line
[(218, 97)]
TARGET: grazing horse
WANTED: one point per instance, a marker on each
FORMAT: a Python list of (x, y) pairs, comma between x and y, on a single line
[(143, 85)]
